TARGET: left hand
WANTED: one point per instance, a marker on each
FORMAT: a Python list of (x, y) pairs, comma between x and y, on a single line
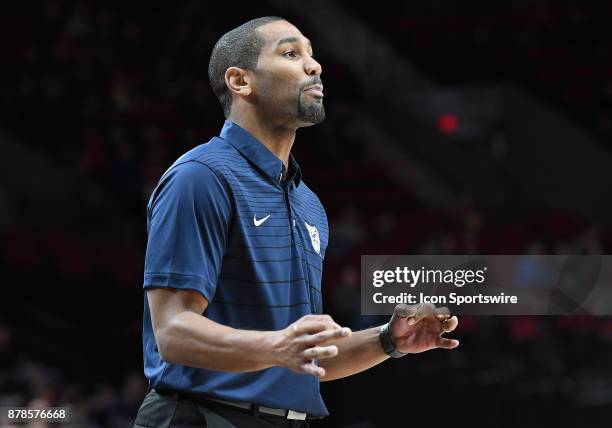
[(419, 328)]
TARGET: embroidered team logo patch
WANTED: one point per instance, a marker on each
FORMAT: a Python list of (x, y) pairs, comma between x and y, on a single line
[(314, 238)]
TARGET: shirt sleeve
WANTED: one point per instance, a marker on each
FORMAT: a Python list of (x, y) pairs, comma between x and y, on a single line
[(189, 215)]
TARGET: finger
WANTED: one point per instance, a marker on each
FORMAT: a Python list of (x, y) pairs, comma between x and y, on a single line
[(305, 327), (320, 318), (320, 352), (445, 343), (310, 327), (449, 325), (442, 312), (327, 336), (312, 369)]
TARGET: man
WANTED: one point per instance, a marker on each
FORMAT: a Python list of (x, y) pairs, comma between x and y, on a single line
[(233, 331)]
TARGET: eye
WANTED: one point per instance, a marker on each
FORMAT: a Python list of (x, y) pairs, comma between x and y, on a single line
[(290, 54)]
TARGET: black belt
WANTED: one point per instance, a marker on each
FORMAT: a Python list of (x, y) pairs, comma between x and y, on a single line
[(252, 408)]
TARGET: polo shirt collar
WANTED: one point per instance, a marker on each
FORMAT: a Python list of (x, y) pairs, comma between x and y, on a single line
[(258, 154)]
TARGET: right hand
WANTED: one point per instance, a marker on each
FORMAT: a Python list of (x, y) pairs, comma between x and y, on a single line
[(300, 344)]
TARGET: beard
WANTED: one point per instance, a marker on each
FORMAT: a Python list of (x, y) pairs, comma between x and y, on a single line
[(287, 106), (310, 111)]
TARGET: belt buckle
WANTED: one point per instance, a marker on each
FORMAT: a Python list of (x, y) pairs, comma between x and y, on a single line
[(296, 415), (288, 414)]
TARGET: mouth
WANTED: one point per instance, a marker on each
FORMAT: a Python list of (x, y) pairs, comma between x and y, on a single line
[(315, 90)]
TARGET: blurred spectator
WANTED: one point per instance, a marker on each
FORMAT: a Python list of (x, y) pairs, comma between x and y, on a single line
[(346, 232)]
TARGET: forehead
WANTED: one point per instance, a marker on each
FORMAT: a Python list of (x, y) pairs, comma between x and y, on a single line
[(276, 31)]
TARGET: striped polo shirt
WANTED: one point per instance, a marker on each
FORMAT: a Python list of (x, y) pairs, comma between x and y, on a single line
[(222, 221)]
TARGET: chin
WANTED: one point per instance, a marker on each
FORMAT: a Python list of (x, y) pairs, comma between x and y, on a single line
[(311, 116), (303, 123)]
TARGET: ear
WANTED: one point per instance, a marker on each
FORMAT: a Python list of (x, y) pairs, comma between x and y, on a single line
[(238, 80)]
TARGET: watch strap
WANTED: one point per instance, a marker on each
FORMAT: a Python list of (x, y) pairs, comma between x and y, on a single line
[(387, 343)]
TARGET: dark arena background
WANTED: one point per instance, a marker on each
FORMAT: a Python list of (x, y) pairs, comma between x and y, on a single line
[(453, 127)]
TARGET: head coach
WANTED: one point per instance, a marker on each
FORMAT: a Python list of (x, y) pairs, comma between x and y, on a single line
[(233, 330)]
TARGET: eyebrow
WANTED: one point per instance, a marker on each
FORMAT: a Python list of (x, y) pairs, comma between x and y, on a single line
[(292, 40)]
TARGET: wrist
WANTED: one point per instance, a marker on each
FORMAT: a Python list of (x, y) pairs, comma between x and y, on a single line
[(384, 335), (268, 341)]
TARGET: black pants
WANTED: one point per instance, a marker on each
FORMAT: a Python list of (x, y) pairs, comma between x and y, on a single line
[(180, 411)]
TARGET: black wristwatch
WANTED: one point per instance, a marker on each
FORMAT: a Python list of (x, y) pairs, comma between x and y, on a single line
[(387, 343)]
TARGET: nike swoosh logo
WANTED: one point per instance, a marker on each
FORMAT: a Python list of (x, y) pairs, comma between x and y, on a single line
[(260, 221)]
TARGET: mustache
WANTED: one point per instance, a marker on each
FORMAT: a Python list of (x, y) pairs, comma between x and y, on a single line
[(316, 80)]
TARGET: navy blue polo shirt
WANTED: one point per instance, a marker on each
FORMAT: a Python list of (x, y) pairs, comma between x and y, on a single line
[(224, 223)]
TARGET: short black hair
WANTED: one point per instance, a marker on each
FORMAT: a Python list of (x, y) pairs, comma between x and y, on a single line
[(239, 47)]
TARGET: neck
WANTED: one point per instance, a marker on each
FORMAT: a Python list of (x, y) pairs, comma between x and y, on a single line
[(277, 138)]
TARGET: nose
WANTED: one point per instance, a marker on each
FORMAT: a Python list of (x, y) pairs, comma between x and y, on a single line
[(312, 67)]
